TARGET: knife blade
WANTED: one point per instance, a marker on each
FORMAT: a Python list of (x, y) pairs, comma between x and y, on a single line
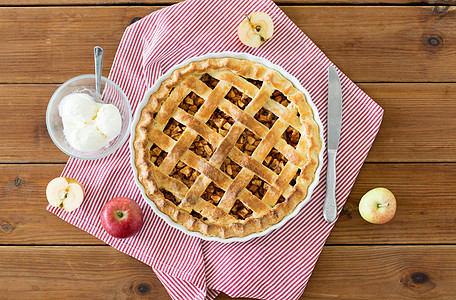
[(334, 129)]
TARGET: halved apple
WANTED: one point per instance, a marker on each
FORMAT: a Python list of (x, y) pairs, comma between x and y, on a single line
[(255, 29), (65, 193)]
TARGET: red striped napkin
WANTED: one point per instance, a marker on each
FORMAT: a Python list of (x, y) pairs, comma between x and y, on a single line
[(276, 266)]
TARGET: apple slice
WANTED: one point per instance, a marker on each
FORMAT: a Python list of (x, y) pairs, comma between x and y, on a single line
[(377, 206), (65, 193), (255, 29)]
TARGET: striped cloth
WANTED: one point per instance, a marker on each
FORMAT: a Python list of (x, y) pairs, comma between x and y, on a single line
[(276, 266)]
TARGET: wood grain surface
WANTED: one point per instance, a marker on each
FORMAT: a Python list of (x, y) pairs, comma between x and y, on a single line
[(394, 43), (401, 52), (358, 272)]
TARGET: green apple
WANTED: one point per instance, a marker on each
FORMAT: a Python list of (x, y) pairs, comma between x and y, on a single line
[(377, 206)]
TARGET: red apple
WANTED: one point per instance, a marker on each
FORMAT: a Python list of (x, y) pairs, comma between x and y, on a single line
[(121, 217), (377, 206)]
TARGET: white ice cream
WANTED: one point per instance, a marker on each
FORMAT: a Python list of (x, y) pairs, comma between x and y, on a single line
[(109, 121), (87, 138), (88, 125), (78, 107)]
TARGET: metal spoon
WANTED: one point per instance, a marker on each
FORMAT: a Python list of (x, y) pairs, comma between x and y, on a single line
[(98, 55)]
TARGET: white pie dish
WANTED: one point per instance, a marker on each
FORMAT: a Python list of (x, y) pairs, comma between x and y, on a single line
[(156, 86)]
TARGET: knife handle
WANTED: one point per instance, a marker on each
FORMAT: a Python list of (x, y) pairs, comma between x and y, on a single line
[(330, 204)]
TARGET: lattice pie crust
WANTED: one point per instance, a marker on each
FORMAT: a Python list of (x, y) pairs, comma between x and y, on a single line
[(227, 147)]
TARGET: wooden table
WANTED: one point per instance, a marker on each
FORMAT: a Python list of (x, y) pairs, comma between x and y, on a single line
[(401, 52)]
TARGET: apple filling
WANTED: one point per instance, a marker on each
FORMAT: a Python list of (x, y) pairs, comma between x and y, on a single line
[(197, 215), (169, 196), (280, 98), (157, 155), (209, 80), (184, 173), (275, 161), (266, 117), (293, 181), (230, 167), (213, 194), (257, 83), (240, 211), (247, 142), (258, 187), (220, 122), (174, 129), (202, 148), (291, 136), (237, 97), (191, 103)]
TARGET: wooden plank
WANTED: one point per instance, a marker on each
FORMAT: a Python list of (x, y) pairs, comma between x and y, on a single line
[(426, 196), (60, 43), (342, 272), (425, 193), (383, 44), (418, 125), (34, 143), (75, 273), (163, 2), (420, 40), (384, 272), (23, 215)]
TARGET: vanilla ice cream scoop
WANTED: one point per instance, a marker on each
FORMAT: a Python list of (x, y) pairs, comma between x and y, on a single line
[(86, 138), (87, 125), (109, 121), (78, 106)]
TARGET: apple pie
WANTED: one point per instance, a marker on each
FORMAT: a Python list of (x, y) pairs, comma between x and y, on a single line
[(226, 147)]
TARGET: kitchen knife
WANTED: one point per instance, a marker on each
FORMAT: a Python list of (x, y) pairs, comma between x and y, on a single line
[(334, 127)]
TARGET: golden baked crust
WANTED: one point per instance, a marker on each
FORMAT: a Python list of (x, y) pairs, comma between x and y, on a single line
[(226, 147)]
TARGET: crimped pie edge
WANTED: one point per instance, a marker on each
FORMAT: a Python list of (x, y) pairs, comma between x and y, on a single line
[(241, 228)]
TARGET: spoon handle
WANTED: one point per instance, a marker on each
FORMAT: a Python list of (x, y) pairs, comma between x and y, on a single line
[(98, 55)]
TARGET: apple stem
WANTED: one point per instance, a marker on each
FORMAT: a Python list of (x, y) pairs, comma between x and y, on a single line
[(247, 17), (382, 205), (120, 214)]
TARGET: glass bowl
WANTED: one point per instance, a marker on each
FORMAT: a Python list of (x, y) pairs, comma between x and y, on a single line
[(111, 94)]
